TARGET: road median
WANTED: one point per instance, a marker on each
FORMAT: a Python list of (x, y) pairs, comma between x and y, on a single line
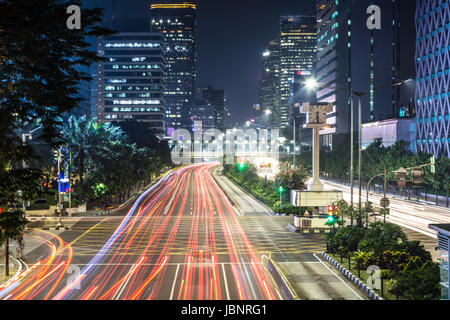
[(287, 291)]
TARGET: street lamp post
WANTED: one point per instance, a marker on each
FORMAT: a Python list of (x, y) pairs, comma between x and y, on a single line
[(351, 155), (24, 142), (294, 144)]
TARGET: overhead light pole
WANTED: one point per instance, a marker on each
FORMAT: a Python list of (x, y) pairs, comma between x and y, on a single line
[(26, 136)]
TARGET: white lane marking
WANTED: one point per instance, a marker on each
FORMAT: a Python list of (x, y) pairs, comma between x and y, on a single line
[(249, 280), (169, 204), (174, 281), (340, 279), (225, 281)]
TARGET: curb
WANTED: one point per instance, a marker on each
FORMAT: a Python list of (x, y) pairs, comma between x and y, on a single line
[(270, 211), (302, 230), (286, 289), (230, 199), (14, 277), (372, 295), (56, 228)]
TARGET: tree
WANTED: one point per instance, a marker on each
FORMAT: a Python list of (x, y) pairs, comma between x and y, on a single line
[(38, 60), (381, 237), (145, 137), (415, 249), (421, 283), (443, 173), (39, 79), (292, 179), (87, 138), (346, 239)]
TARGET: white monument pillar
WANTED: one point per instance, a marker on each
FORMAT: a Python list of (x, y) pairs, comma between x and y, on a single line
[(316, 119)]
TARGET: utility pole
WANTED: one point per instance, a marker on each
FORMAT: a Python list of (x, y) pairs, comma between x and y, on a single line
[(384, 191), (7, 257), (359, 157), (24, 165), (294, 143), (351, 154), (59, 189), (70, 184)]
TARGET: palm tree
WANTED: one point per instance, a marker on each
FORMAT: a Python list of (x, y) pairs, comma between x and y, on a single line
[(86, 137)]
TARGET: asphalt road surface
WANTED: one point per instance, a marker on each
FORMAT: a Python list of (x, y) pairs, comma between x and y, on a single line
[(180, 240), (297, 255)]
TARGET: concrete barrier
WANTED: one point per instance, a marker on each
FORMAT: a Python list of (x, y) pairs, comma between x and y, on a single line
[(286, 290)]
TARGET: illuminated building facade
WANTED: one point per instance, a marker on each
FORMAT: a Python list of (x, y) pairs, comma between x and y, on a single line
[(298, 46), (209, 108), (334, 44), (352, 57), (433, 76), (176, 20), (130, 84), (269, 94)]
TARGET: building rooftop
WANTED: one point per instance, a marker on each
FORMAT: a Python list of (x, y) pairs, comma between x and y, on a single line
[(443, 229)]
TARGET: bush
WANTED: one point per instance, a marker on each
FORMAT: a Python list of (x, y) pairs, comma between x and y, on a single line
[(364, 259), (39, 206), (380, 237), (345, 239), (395, 260), (415, 249), (421, 284), (393, 286), (287, 209)]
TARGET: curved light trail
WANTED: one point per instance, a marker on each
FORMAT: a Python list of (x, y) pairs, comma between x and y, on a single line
[(142, 259)]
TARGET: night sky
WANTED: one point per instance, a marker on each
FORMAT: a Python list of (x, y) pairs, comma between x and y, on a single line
[(231, 36)]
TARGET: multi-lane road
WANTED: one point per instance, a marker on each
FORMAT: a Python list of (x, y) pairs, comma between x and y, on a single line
[(180, 240), (194, 235), (412, 215)]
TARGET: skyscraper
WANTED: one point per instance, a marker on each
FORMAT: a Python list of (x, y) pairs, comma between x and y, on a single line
[(130, 84), (333, 63), (298, 45), (209, 108), (269, 94), (176, 20), (352, 57), (433, 76)]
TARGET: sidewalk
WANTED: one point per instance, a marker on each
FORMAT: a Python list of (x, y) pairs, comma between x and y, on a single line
[(14, 264)]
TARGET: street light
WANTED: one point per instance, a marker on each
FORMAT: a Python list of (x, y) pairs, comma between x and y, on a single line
[(26, 136), (312, 83)]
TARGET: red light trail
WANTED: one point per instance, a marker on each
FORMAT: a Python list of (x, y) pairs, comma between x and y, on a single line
[(186, 207)]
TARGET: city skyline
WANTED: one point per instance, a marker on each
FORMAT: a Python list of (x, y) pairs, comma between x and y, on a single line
[(231, 48), (331, 183)]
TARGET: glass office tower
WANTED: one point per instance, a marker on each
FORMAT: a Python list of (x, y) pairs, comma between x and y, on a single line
[(298, 43), (130, 84), (433, 76), (176, 20)]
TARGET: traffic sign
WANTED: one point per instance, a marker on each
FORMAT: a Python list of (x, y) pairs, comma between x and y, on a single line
[(384, 202)]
